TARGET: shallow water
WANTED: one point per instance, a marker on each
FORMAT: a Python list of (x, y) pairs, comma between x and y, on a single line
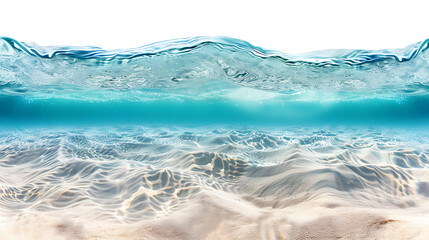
[(211, 138)]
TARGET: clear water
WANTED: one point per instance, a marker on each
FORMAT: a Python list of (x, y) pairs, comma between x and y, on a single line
[(134, 135)]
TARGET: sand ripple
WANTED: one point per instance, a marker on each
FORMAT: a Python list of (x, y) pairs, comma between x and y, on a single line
[(130, 175)]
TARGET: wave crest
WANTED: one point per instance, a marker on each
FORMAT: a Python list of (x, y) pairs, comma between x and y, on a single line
[(320, 58)]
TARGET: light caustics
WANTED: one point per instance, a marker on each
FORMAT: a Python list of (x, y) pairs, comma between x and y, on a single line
[(173, 133)]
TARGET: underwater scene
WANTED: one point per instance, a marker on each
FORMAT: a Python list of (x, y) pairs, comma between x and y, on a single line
[(213, 138)]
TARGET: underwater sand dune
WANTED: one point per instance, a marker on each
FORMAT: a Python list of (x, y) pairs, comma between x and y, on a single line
[(213, 138)]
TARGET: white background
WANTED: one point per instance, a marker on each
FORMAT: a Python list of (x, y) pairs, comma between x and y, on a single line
[(288, 26)]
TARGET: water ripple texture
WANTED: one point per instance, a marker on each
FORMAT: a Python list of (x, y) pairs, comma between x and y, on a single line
[(211, 80), (127, 175), (171, 64), (213, 138)]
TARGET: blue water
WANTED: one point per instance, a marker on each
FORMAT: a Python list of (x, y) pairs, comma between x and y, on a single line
[(91, 136), (211, 80)]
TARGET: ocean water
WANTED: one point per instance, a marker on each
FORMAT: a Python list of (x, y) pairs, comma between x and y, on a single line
[(213, 138)]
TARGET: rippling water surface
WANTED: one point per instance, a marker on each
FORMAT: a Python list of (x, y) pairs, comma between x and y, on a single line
[(213, 138)]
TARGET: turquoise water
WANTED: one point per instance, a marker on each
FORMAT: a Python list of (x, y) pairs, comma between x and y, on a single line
[(211, 80), (132, 135)]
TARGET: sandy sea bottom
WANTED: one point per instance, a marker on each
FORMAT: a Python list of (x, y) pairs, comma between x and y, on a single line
[(217, 182)]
